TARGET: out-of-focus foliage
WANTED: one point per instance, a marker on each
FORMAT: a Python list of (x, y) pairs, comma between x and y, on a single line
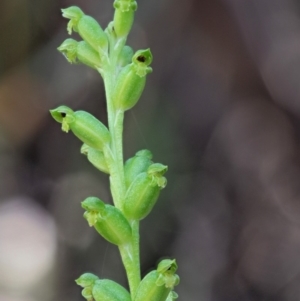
[(221, 109)]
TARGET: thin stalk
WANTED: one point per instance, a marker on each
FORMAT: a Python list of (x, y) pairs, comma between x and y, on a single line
[(118, 145), (130, 252), (115, 125), (132, 267), (136, 247), (136, 241)]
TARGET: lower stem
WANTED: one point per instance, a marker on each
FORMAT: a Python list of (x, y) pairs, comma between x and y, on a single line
[(136, 245), (131, 262)]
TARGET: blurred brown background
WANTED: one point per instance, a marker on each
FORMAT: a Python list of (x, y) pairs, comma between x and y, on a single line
[(222, 109)]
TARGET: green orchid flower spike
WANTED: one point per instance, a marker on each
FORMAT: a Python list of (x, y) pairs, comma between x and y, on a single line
[(136, 185)]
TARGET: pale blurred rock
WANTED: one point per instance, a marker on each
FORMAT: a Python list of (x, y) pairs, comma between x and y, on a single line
[(27, 244)]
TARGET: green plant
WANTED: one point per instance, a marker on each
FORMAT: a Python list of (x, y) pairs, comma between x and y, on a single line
[(135, 185)]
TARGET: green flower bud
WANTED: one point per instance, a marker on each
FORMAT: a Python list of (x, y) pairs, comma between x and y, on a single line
[(69, 49), (87, 27), (86, 279), (167, 277), (167, 265), (73, 13), (156, 172), (156, 285), (87, 55), (131, 80), (87, 294), (148, 290), (107, 220), (125, 57), (96, 157), (93, 206), (83, 125), (82, 52), (108, 290), (136, 165), (63, 115), (143, 193), (141, 61), (124, 16), (90, 30)]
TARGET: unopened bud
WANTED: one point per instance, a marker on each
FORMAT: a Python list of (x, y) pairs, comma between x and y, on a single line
[(96, 157), (125, 57), (153, 286), (108, 290), (80, 52), (124, 16), (87, 27), (143, 193), (86, 279), (107, 220), (136, 165)]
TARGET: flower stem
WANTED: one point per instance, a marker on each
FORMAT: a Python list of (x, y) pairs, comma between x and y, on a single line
[(132, 267), (115, 124), (130, 252)]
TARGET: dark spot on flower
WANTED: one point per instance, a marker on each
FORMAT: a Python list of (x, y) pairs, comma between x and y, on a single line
[(63, 115), (141, 58)]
